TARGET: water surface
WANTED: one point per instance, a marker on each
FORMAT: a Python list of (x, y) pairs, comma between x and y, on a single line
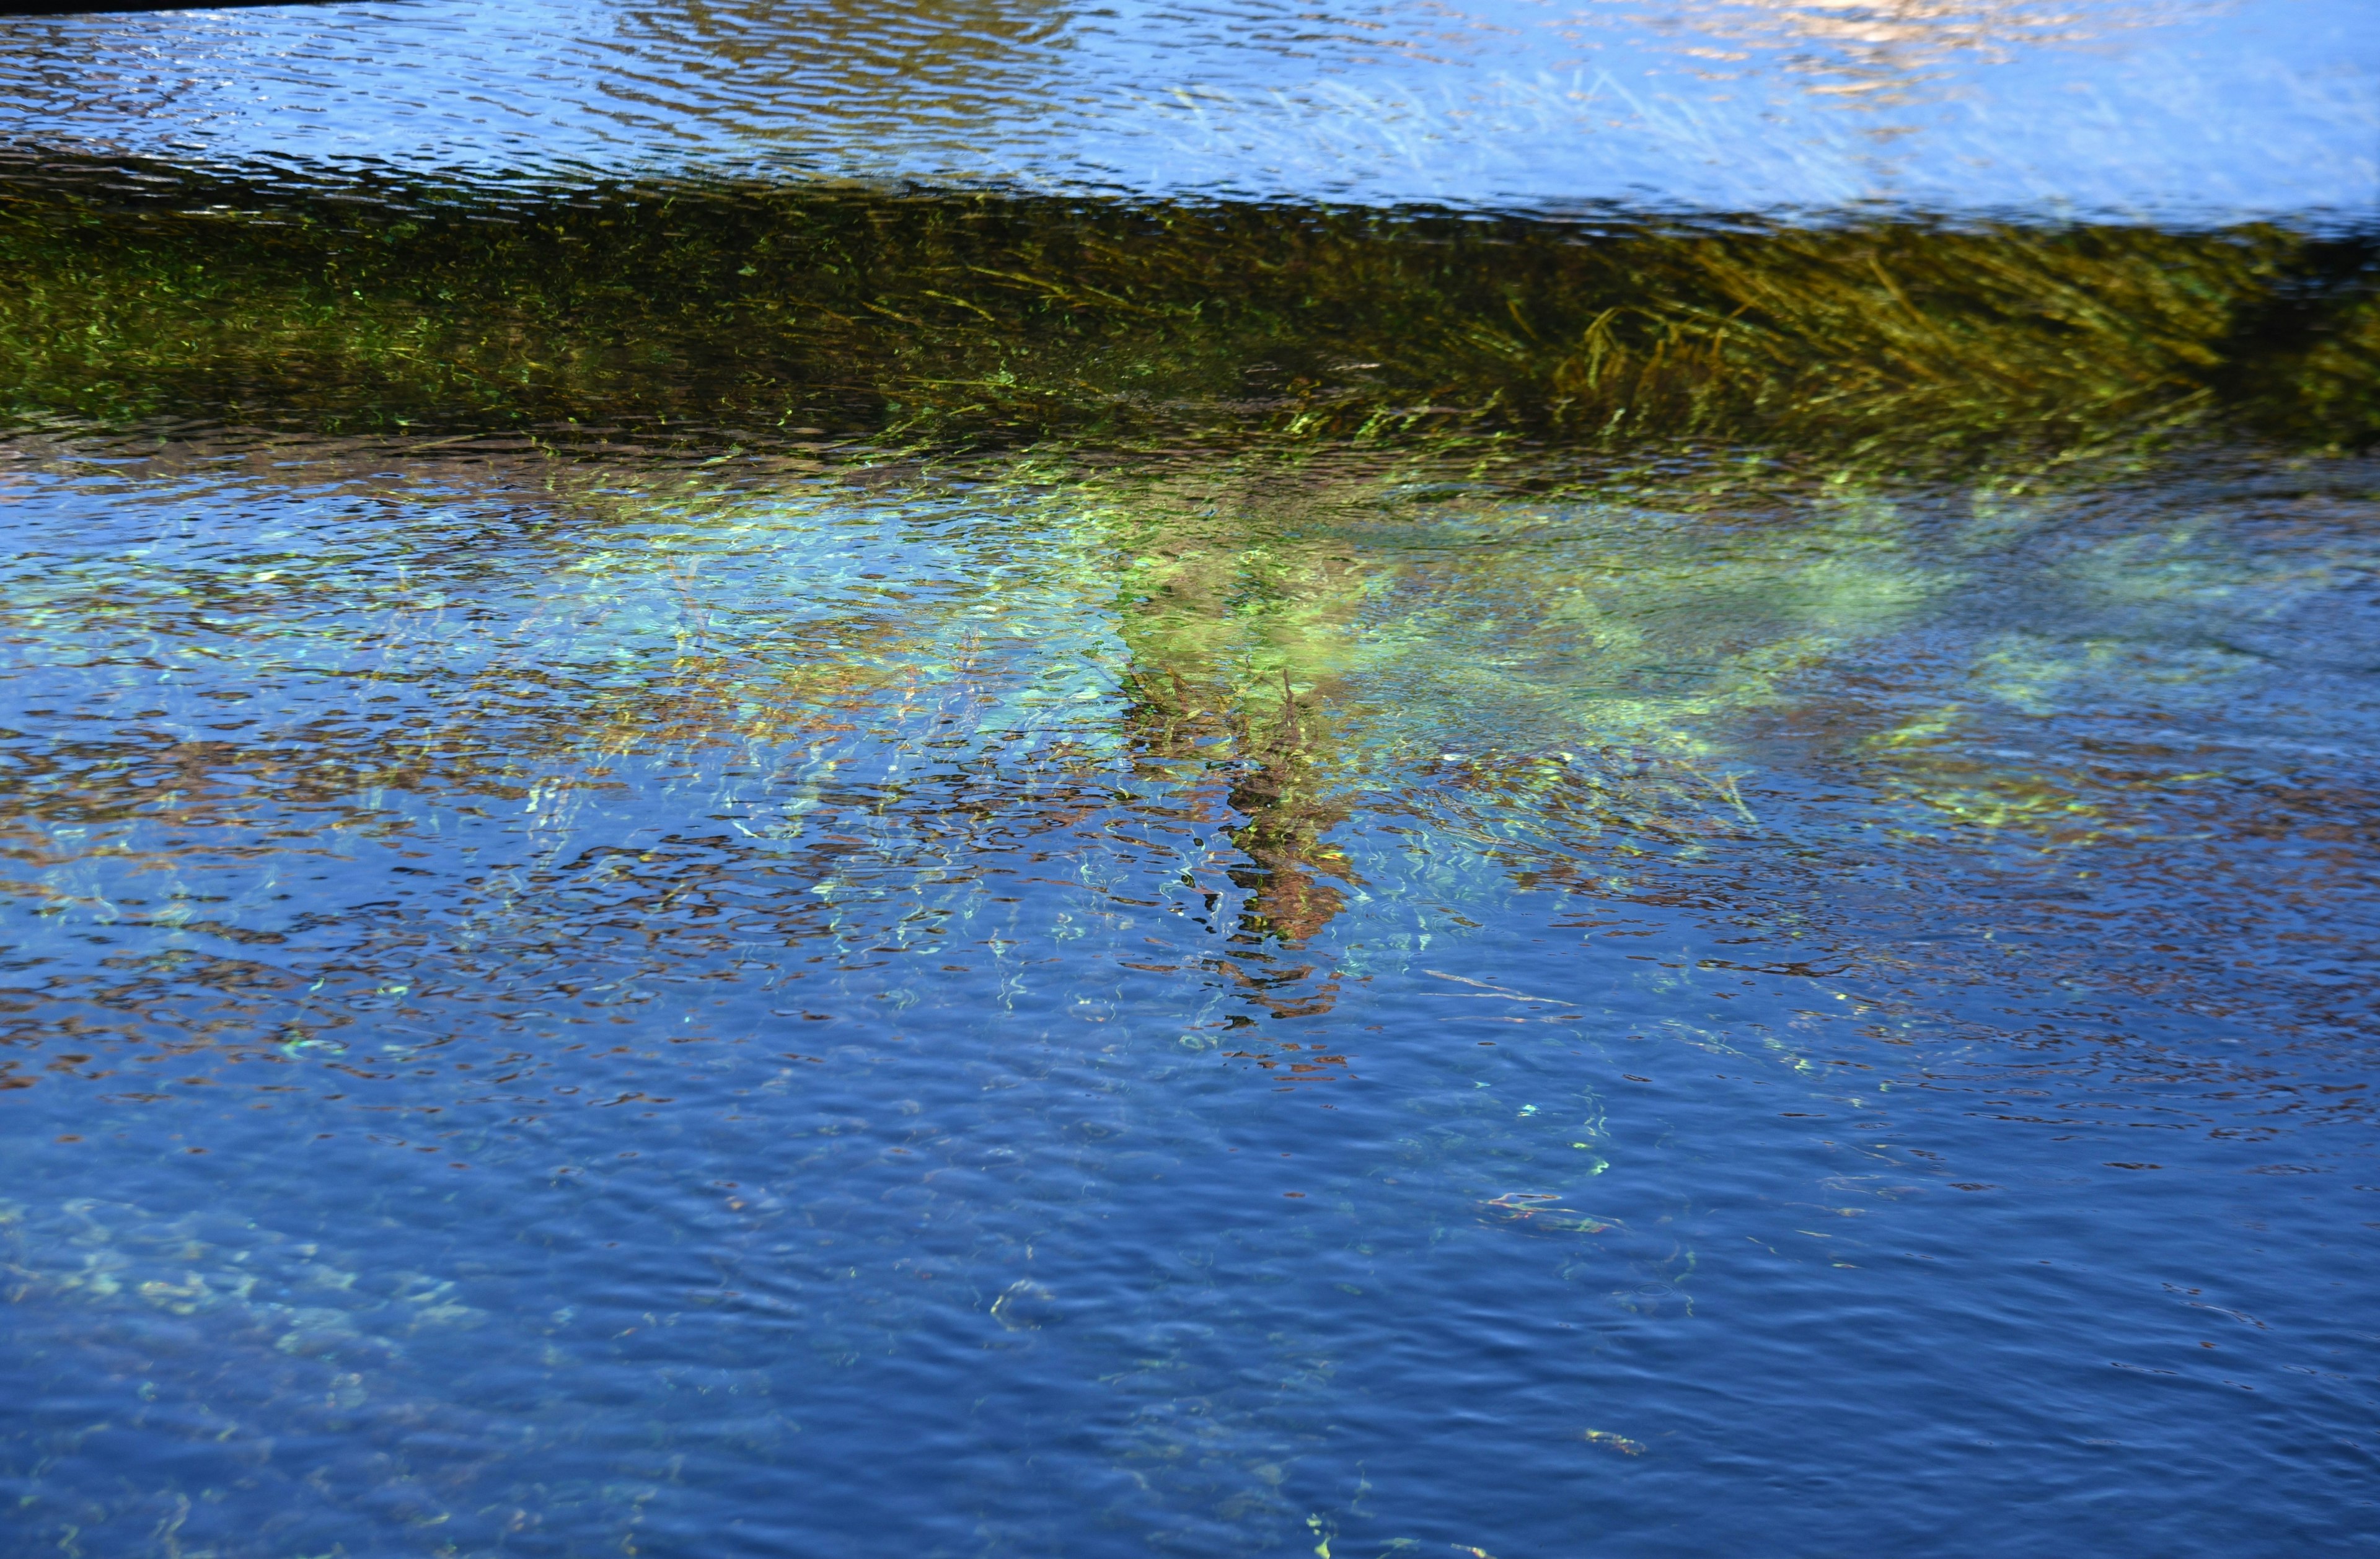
[(786, 782), (2183, 110)]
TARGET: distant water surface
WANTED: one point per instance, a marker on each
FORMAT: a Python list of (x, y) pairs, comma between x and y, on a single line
[(2186, 110)]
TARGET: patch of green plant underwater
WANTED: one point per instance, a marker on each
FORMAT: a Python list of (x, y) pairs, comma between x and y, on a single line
[(698, 311), (1584, 686), (1199, 414)]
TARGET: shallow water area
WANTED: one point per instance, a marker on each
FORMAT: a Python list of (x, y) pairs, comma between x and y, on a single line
[(1019, 780), (806, 1006)]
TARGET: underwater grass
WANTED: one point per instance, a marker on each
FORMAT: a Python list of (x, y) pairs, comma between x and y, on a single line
[(1217, 402), (692, 311), (1584, 685)]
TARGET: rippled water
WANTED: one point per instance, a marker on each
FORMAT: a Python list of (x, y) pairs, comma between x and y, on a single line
[(774, 1011), (702, 862), (2174, 108)]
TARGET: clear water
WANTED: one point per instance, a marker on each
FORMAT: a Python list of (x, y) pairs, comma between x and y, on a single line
[(697, 1012), (2183, 110), (1239, 999)]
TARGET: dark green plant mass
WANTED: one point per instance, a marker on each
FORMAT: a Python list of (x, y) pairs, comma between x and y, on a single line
[(751, 311)]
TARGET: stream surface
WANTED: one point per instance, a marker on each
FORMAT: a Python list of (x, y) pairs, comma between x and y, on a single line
[(685, 998), (2178, 110)]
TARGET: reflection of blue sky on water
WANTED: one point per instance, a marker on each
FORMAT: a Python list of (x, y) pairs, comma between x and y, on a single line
[(2186, 111), (787, 1004), (556, 1010)]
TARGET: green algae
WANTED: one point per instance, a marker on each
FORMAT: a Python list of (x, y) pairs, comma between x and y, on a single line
[(1547, 519), (1578, 674), (726, 310)]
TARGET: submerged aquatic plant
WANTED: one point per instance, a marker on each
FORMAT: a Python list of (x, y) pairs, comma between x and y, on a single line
[(778, 312), (1573, 677), (1548, 514)]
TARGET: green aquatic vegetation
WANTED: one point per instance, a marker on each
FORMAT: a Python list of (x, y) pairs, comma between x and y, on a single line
[(781, 313), (2085, 730), (1568, 671), (777, 628), (1579, 685), (1559, 681), (1550, 515), (1527, 624)]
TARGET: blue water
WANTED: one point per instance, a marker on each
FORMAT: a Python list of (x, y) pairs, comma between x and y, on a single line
[(565, 1007), (2186, 111), (1095, 1003)]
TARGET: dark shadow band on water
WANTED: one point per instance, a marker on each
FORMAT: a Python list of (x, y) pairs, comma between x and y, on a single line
[(744, 310)]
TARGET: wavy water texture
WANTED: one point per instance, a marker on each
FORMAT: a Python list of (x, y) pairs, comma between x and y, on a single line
[(2106, 110), (1000, 780), (566, 990), (740, 312)]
